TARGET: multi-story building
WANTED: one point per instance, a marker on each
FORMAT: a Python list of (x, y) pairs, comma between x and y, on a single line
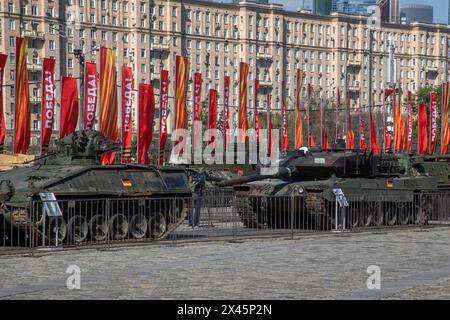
[(334, 51), (353, 6), (417, 13)]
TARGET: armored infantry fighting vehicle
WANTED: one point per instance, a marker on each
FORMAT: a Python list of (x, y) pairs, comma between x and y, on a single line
[(97, 202), (382, 189)]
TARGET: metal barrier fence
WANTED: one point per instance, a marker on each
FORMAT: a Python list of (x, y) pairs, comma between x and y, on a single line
[(218, 213)]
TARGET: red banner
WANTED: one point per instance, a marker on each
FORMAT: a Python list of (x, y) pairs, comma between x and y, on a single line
[(22, 117), (127, 114), (433, 122), (226, 111), (3, 59), (398, 135), (257, 120), (423, 129), (69, 106), (350, 135), (299, 122), (373, 136), (388, 92), (444, 118), (410, 123), (270, 142), (197, 108), (90, 95), (163, 109), (212, 124), (109, 110), (243, 79), (362, 134), (146, 117), (182, 69), (48, 102), (284, 128)]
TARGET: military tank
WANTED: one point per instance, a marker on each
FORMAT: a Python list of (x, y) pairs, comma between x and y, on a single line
[(384, 189), (125, 201)]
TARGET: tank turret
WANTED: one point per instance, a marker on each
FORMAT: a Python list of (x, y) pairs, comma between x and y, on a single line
[(81, 147)]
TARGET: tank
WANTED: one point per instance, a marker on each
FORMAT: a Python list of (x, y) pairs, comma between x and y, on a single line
[(143, 201), (382, 189)]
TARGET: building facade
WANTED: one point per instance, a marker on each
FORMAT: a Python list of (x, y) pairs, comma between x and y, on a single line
[(334, 51), (359, 7), (417, 13), (322, 7)]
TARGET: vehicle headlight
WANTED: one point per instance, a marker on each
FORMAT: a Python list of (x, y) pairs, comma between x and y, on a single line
[(301, 190)]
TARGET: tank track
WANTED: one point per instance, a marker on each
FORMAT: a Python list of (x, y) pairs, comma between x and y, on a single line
[(246, 213), (172, 226)]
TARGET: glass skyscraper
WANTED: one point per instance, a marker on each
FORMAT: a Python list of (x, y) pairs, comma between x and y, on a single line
[(353, 6)]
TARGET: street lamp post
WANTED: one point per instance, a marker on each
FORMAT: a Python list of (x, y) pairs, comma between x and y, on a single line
[(81, 57)]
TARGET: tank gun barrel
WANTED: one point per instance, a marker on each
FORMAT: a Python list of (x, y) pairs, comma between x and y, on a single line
[(282, 172)]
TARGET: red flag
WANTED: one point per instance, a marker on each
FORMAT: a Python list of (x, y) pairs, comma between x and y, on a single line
[(284, 128), (326, 142), (312, 143), (146, 117), (270, 142), (69, 106), (397, 123), (22, 117), (256, 113), (373, 136), (362, 135), (48, 102), (444, 118), (433, 122), (423, 129), (212, 124), (410, 123), (226, 111), (3, 59), (197, 107), (109, 109), (350, 135), (299, 122), (243, 79), (90, 95), (388, 92), (127, 113), (164, 108), (182, 69)]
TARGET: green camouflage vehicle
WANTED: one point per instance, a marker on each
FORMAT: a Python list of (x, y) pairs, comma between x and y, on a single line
[(381, 190), (146, 201)]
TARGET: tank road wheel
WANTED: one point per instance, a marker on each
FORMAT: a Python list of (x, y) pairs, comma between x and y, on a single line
[(138, 226), (57, 229), (246, 209), (118, 227), (77, 228), (98, 227), (403, 213), (368, 212), (353, 214), (391, 213), (378, 215), (424, 208), (157, 226)]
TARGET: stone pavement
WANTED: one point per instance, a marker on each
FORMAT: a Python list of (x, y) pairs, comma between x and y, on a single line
[(414, 264)]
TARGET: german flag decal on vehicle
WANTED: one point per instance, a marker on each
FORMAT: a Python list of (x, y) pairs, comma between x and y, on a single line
[(390, 184), (127, 183)]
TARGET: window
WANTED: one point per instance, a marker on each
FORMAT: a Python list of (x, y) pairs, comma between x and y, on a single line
[(11, 7), (174, 12), (12, 25), (70, 63), (34, 10), (12, 41), (161, 11), (52, 45), (114, 36), (104, 35)]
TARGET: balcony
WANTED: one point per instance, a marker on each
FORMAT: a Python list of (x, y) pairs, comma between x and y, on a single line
[(34, 67), (354, 64), (35, 99), (160, 47), (34, 34), (264, 56), (432, 69), (155, 76), (266, 84)]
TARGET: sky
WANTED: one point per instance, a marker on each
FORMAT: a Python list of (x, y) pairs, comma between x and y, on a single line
[(440, 6)]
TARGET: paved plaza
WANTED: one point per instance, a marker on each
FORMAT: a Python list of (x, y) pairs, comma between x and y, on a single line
[(413, 264)]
